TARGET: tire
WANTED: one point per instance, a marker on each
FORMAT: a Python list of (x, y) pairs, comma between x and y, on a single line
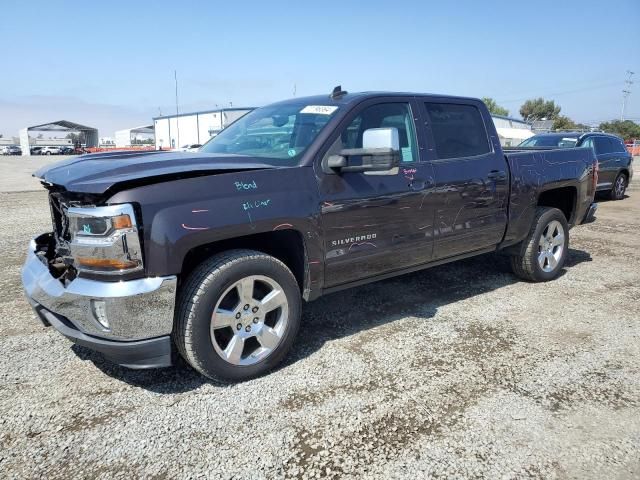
[(543, 259), (619, 187), (234, 343), (48, 153)]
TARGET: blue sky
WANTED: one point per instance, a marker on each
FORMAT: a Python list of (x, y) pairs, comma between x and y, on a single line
[(110, 64)]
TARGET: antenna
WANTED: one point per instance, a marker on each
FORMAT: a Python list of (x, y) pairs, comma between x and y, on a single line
[(175, 76), (337, 92), (626, 91)]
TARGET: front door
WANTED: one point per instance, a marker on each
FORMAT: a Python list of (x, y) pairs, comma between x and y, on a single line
[(376, 223), (472, 179)]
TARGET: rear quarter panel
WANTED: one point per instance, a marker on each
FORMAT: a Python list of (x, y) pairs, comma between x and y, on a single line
[(534, 172)]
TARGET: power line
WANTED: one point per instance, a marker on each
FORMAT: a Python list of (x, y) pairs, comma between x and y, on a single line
[(565, 92)]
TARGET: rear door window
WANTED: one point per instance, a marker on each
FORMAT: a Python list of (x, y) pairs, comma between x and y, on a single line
[(603, 145), (458, 130)]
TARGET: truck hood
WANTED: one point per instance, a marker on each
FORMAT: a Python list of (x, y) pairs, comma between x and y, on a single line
[(99, 172)]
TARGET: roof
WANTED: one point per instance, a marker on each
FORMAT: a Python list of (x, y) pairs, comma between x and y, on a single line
[(575, 134), (140, 129), (516, 133), (326, 99), (559, 134), (204, 112), (504, 117), (61, 125)]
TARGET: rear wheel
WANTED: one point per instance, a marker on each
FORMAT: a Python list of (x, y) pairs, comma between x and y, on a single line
[(238, 315), (546, 247), (619, 187)]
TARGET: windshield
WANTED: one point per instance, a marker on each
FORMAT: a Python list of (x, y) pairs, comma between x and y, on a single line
[(280, 133), (550, 141)]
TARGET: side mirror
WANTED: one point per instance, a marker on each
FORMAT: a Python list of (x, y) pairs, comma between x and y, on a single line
[(380, 152)]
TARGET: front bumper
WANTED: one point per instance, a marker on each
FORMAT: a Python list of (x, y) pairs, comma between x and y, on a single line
[(128, 321)]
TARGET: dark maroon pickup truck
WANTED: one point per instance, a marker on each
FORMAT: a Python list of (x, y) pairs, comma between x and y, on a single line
[(210, 254)]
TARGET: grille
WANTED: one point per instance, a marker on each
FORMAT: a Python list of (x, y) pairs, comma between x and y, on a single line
[(59, 218)]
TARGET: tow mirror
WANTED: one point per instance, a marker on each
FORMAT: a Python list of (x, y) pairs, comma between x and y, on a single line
[(380, 152)]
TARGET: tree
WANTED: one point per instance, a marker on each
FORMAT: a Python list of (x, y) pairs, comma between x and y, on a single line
[(539, 108), (494, 108), (563, 122), (626, 129), (76, 137)]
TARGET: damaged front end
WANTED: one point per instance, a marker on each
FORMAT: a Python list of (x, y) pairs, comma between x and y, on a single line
[(92, 240), (86, 279)]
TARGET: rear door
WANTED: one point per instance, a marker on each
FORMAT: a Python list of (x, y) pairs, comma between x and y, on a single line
[(471, 178), (375, 224), (622, 155)]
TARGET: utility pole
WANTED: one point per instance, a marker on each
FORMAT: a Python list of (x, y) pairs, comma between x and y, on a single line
[(294, 89), (175, 77), (626, 91)]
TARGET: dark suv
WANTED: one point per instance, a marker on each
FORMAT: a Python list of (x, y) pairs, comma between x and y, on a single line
[(614, 160)]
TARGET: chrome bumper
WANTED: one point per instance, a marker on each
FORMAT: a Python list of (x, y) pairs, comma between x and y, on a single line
[(133, 310)]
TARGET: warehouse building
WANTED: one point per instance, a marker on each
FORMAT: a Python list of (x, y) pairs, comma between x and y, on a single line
[(511, 131), (89, 135), (130, 137), (174, 131)]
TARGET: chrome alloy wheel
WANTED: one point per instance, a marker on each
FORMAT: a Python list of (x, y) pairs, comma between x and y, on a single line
[(620, 186), (551, 246), (249, 320)]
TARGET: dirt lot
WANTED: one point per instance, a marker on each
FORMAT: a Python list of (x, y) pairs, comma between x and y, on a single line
[(460, 371)]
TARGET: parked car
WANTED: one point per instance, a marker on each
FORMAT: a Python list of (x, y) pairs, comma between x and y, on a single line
[(189, 148), (13, 150), (67, 150), (292, 201), (614, 160), (50, 151), (35, 150)]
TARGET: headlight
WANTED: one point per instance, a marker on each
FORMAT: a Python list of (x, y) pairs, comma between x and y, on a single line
[(105, 239)]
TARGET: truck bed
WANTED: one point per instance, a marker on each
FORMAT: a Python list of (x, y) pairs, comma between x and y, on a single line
[(535, 170)]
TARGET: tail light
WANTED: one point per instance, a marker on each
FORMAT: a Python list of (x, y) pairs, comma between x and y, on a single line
[(596, 169)]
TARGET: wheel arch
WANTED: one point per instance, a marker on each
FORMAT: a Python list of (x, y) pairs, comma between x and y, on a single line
[(287, 245), (563, 198)]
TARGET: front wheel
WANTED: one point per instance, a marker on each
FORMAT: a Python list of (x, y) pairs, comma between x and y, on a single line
[(546, 247), (238, 315), (619, 187)]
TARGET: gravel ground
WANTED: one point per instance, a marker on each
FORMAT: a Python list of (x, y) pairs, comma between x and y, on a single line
[(461, 371)]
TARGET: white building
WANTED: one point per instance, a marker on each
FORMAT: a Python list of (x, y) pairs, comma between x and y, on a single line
[(511, 131), (174, 131)]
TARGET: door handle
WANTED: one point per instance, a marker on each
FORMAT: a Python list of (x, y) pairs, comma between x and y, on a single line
[(497, 175)]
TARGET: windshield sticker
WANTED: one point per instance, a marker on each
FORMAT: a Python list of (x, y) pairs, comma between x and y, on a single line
[(319, 109), (291, 152)]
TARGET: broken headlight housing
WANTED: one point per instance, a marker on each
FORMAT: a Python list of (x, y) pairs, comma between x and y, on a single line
[(105, 240)]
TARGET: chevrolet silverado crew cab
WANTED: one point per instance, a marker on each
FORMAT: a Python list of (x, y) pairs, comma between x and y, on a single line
[(210, 254)]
